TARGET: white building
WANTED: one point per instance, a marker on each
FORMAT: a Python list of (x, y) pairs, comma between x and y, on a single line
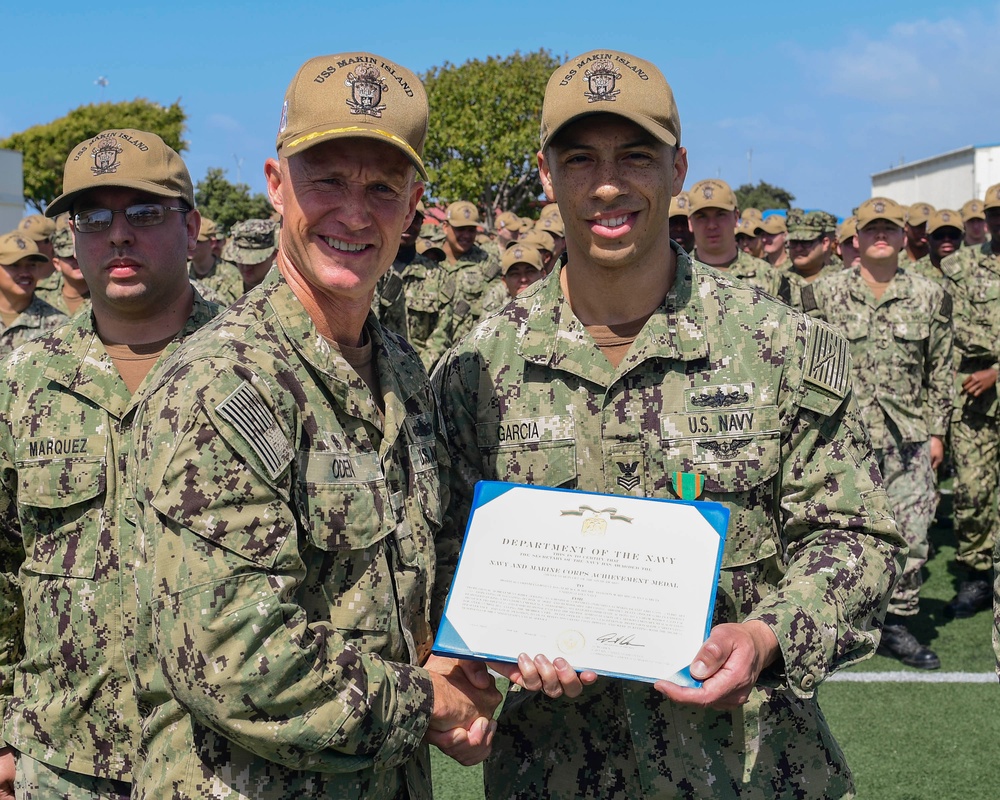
[(11, 190), (945, 181)]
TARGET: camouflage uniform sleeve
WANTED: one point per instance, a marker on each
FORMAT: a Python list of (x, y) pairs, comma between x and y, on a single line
[(977, 342), (225, 569), (456, 382), (11, 557), (939, 369), (842, 552)]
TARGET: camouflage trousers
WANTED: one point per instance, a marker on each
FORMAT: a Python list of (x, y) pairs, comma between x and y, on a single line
[(35, 780), (975, 441), (909, 482)]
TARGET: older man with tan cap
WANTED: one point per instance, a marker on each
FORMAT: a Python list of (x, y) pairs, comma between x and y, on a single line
[(66, 414), (287, 475), (973, 275), (623, 369)]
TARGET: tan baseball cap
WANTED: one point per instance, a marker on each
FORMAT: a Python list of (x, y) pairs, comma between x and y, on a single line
[(37, 227), (992, 197), (521, 253), (15, 245), (208, 231), (354, 95), (711, 193), (506, 220), (752, 213), (552, 225), (748, 227), (426, 245), (973, 210), (847, 229), (880, 208), (550, 210), (945, 218), (463, 214), (919, 213), (538, 238), (680, 205), (123, 158), (774, 224), (610, 82)]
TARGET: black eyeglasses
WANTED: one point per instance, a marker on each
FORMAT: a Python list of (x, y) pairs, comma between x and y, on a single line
[(142, 215)]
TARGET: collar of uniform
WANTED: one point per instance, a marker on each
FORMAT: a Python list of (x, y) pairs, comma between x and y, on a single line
[(554, 336), (31, 317)]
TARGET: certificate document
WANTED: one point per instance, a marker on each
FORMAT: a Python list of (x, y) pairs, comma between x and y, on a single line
[(623, 586)]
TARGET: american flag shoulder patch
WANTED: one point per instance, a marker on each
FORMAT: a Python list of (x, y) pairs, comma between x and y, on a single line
[(253, 420), (827, 362)]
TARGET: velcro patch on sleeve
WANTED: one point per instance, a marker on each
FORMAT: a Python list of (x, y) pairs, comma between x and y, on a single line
[(245, 411), (827, 362)]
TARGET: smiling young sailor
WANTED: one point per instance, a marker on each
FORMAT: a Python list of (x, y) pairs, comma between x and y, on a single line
[(636, 371)]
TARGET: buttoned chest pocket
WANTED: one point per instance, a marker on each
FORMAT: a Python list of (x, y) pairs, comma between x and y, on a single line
[(422, 315), (910, 337), (61, 510), (983, 291)]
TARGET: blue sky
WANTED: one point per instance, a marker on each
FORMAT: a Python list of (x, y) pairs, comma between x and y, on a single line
[(822, 94)]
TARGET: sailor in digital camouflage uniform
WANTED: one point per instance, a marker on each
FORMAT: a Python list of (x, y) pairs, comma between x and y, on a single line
[(251, 248), (680, 231), (775, 235), (915, 229), (69, 293), (415, 298), (288, 490), (40, 229), (522, 264), (974, 221), (472, 268), (898, 324), (65, 417), (944, 237), (637, 371), (810, 241), (847, 232), (713, 216), (973, 281), (209, 270), (23, 314)]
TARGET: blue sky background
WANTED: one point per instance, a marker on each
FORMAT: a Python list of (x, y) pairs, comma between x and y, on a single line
[(822, 94)]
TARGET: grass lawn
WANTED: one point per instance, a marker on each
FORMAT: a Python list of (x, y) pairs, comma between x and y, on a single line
[(904, 741)]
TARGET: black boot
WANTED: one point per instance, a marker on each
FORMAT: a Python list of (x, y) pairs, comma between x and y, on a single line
[(898, 642), (974, 595)]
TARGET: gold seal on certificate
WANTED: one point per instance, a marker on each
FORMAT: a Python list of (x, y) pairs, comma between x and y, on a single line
[(623, 586)]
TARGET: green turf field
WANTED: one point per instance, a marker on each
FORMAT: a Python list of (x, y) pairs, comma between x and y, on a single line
[(904, 741)]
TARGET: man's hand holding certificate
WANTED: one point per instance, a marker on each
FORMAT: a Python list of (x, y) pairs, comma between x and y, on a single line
[(620, 586)]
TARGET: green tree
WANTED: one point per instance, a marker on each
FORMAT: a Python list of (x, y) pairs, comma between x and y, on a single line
[(483, 132), (45, 147), (764, 196), (228, 203)]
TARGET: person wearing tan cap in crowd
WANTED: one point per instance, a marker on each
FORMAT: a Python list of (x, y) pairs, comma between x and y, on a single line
[(471, 267), (208, 267), (775, 234), (944, 237), (311, 434), (748, 237), (847, 242), (70, 292), (898, 324), (552, 225), (508, 227), (974, 220), (916, 233), (66, 417), (679, 212), (251, 248), (522, 263), (625, 372), (40, 229), (415, 298), (23, 314), (713, 217), (973, 275)]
